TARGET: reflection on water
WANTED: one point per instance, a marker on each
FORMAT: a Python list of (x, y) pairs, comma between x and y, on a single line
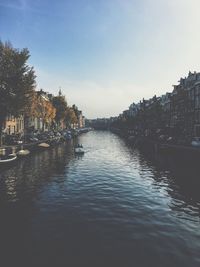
[(113, 206), (180, 182), (26, 177)]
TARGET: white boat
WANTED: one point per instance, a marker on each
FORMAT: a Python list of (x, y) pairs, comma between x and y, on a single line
[(79, 149), (23, 152), (7, 159), (44, 145)]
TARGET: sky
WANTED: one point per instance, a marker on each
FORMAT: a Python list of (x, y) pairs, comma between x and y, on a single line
[(105, 54)]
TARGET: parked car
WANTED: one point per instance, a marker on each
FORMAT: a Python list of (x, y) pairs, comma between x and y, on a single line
[(30, 138), (171, 140), (195, 141), (12, 140), (162, 138)]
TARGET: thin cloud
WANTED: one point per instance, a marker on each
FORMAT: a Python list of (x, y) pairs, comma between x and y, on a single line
[(19, 5), (107, 55), (94, 98)]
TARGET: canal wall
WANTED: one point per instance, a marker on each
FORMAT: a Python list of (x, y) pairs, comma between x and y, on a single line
[(33, 146), (30, 146), (176, 153)]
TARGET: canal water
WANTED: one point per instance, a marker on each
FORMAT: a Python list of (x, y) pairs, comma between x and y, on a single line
[(113, 206)]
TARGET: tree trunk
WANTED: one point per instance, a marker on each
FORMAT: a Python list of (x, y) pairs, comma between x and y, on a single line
[(25, 128), (43, 123)]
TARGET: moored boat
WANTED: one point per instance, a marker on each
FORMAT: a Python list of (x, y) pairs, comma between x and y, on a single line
[(23, 152), (79, 150), (7, 159), (43, 145)]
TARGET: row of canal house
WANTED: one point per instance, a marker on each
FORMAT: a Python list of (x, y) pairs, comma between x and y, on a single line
[(17, 125), (185, 106), (13, 125), (177, 113), (81, 120)]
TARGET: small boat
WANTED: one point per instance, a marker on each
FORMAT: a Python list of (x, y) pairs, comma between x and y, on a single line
[(79, 150), (44, 145), (23, 152), (7, 159)]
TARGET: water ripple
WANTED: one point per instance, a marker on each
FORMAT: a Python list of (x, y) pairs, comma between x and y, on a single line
[(111, 201)]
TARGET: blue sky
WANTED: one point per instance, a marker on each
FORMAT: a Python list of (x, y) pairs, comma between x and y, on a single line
[(105, 54)]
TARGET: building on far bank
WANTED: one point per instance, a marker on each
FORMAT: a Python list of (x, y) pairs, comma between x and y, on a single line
[(43, 113), (99, 123), (81, 120), (175, 114), (14, 125), (185, 106), (165, 102), (133, 109)]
